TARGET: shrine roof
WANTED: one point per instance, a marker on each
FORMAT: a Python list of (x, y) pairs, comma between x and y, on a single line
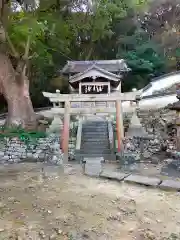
[(108, 65), (92, 71)]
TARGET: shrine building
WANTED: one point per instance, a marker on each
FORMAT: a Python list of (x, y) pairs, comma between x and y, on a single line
[(95, 77)]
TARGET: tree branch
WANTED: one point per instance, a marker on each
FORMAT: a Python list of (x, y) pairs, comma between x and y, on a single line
[(11, 45), (4, 37), (27, 48), (89, 53), (2, 34), (22, 64), (3, 19)]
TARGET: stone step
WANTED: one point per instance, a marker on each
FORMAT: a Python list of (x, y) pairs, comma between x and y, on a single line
[(94, 142), (94, 145), (89, 143), (95, 127), (97, 140), (95, 123), (92, 160), (95, 131), (109, 156), (95, 136), (94, 152), (100, 124), (85, 154), (93, 168)]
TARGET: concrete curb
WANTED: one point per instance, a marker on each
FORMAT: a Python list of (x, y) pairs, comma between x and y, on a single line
[(116, 176), (169, 185), (143, 180)]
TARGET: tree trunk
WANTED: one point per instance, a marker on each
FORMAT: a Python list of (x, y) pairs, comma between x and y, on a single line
[(15, 88)]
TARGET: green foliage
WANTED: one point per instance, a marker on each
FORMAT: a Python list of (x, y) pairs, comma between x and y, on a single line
[(24, 25), (143, 56), (22, 135)]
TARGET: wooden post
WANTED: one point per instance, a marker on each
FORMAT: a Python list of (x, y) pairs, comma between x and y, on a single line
[(118, 124), (65, 137)]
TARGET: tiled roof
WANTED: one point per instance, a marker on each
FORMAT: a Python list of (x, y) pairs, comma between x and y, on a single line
[(108, 65), (94, 67)]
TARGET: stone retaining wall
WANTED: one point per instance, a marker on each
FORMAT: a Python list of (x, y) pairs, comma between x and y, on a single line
[(13, 150)]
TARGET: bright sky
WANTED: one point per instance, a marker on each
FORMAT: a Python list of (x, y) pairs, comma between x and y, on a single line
[(17, 7)]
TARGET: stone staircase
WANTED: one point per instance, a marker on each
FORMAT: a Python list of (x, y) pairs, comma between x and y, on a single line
[(95, 141)]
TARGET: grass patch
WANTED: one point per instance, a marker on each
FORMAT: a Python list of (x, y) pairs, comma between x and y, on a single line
[(20, 134)]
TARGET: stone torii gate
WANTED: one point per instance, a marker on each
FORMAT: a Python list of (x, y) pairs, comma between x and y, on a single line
[(57, 99)]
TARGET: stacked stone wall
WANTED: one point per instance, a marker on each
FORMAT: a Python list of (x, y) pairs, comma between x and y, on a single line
[(47, 149)]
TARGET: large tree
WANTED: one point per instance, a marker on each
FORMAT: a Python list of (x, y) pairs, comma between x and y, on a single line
[(14, 84), (28, 38)]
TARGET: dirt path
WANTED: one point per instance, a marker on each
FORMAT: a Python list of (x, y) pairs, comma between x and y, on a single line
[(73, 206)]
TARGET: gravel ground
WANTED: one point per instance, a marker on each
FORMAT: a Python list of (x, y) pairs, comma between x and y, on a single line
[(38, 203)]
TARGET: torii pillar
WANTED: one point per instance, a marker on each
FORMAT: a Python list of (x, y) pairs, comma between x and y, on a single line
[(65, 134), (119, 125)]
